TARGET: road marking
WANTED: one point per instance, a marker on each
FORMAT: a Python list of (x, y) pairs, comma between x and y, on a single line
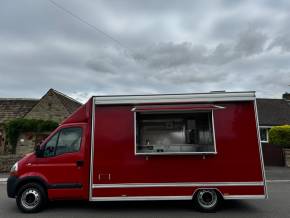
[(278, 180)]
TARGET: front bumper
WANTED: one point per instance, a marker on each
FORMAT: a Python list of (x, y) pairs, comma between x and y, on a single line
[(12, 183)]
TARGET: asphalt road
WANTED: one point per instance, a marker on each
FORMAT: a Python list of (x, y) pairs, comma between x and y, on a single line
[(278, 205)]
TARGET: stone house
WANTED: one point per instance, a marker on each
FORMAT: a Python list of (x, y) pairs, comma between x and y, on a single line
[(272, 112), (12, 109), (54, 106)]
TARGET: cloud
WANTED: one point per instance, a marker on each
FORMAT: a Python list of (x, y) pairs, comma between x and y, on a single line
[(250, 42), (282, 41), (175, 55), (167, 55), (189, 47)]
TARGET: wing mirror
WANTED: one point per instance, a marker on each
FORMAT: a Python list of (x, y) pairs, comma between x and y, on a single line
[(38, 151)]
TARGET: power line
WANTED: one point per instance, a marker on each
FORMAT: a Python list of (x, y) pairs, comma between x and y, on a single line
[(88, 24)]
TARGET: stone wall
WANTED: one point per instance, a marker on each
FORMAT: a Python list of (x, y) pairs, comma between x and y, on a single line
[(27, 142), (7, 161)]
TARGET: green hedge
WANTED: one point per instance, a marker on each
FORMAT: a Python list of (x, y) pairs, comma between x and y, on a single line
[(280, 135), (15, 127)]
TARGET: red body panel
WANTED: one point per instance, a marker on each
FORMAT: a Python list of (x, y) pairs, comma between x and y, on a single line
[(237, 158)]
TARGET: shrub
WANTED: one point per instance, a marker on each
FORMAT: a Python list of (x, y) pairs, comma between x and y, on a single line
[(15, 127), (280, 135)]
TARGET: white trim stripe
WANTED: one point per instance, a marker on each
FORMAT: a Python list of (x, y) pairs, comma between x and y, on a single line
[(184, 107), (213, 131), (4, 180), (181, 184), (141, 198), (160, 198), (260, 147), (92, 150), (176, 153), (175, 98)]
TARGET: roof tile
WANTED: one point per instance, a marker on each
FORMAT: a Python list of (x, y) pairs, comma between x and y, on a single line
[(15, 108), (273, 112)]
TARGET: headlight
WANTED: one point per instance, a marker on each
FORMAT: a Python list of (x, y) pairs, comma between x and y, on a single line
[(14, 168)]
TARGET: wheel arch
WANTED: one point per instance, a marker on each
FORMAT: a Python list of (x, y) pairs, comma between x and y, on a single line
[(31, 179)]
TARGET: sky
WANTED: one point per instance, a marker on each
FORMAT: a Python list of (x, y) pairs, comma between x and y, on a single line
[(144, 47)]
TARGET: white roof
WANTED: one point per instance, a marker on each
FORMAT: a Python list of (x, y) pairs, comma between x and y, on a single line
[(175, 98)]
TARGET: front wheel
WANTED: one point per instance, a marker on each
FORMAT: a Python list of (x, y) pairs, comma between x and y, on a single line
[(31, 198), (207, 200)]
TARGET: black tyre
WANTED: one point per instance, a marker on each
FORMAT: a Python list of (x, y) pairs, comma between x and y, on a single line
[(31, 198), (207, 200)]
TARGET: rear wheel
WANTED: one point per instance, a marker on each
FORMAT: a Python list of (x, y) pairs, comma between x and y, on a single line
[(207, 200), (31, 198)]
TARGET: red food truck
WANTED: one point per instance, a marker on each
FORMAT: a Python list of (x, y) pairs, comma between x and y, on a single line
[(203, 147)]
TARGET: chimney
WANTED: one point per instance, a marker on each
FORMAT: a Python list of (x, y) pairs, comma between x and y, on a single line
[(286, 96)]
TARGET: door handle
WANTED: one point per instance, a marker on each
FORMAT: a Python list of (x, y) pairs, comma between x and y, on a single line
[(80, 163)]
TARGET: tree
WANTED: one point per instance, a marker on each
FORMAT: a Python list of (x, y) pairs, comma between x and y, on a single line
[(280, 136)]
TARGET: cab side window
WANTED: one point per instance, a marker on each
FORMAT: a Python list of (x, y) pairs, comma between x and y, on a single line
[(50, 146), (69, 140), (64, 141)]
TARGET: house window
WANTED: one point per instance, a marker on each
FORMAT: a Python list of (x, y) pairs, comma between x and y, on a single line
[(264, 134), (184, 132)]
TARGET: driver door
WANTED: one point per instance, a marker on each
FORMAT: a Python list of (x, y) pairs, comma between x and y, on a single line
[(63, 163)]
